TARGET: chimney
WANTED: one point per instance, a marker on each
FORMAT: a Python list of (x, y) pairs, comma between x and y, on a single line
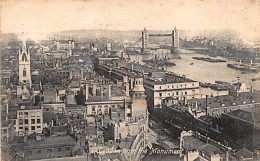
[(207, 100), (109, 90), (251, 89), (25, 138), (94, 89), (215, 157), (127, 89), (257, 156), (87, 92), (207, 111), (227, 155), (101, 90)]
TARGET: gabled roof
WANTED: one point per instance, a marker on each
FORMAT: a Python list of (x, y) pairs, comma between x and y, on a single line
[(245, 153), (248, 116)]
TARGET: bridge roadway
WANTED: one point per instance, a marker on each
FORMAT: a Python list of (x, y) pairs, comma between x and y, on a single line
[(160, 35)]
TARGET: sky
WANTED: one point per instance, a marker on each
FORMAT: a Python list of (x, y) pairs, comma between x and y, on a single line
[(39, 17)]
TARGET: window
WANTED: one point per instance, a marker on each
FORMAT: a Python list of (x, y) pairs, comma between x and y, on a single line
[(32, 121), (38, 151), (172, 86), (49, 150), (38, 127), (24, 72), (192, 84), (160, 94), (176, 86), (93, 108), (29, 152), (186, 93), (26, 113), (20, 128), (177, 93), (4, 131), (38, 121), (26, 121), (160, 87), (181, 85), (33, 127), (24, 58), (59, 149), (20, 121), (20, 113), (67, 148)]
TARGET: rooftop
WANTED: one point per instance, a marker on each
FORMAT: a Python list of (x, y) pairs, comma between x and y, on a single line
[(168, 78), (226, 100), (52, 141), (247, 115)]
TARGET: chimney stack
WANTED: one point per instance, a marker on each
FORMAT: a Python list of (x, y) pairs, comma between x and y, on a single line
[(207, 100), (127, 89), (101, 90), (87, 92), (94, 89), (227, 155), (109, 90)]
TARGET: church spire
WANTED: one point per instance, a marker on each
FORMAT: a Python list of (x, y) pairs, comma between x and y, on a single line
[(24, 42)]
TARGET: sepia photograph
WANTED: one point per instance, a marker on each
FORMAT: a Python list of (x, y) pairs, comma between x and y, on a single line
[(130, 80)]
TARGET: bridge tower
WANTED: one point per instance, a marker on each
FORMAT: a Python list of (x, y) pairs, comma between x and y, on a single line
[(175, 40), (144, 40)]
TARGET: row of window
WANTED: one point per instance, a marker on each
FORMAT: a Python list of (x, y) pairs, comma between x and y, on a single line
[(27, 114), (177, 86), (27, 128), (26, 121), (178, 93)]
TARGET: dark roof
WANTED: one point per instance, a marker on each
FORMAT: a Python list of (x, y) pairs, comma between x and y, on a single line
[(251, 117), (52, 141), (245, 153), (57, 129), (97, 99)]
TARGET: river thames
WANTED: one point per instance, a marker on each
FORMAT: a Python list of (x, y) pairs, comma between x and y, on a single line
[(202, 71)]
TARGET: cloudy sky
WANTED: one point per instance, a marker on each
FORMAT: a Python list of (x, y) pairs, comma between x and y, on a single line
[(37, 17)]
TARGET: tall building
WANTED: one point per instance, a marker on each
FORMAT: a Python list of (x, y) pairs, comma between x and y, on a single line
[(24, 65), (139, 105)]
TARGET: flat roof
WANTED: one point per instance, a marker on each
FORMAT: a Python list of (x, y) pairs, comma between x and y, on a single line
[(168, 78)]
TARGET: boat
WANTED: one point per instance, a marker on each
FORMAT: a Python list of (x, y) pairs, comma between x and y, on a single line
[(255, 79), (242, 67), (209, 59)]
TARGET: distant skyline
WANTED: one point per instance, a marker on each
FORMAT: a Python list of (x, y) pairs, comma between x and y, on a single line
[(40, 17)]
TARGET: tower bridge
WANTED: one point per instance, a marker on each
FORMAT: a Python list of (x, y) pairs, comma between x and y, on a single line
[(146, 35)]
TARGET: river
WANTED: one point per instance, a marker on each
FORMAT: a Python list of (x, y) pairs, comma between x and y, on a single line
[(202, 71)]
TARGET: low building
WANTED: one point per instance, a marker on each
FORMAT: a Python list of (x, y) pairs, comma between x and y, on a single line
[(42, 147)]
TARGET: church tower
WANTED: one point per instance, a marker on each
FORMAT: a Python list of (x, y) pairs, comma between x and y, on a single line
[(24, 65), (138, 101)]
